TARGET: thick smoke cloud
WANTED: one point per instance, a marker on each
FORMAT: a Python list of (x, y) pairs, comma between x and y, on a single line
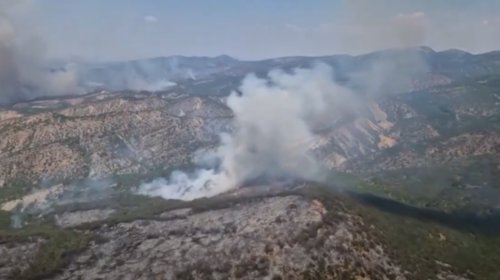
[(364, 26), (373, 28), (274, 120), (397, 37), (24, 71)]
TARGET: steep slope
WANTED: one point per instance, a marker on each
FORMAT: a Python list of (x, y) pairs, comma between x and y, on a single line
[(125, 132), (153, 73), (381, 71), (433, 144), (438, 125), (105, 133), (304, 233)]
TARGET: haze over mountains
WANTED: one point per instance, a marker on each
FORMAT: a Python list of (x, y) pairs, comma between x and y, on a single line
[(151, 74), (393, 89), (369, 167), (386, 70), (94, 173)]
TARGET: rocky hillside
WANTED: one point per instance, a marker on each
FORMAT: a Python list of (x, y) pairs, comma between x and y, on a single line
[(443, 123), (431, 139), (125, 132), (135, 136), (395, 70), (300, 232), (153, 73), (105, 133)]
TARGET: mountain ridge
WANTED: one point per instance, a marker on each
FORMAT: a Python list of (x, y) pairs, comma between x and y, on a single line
[(189, 67), (427, 148)]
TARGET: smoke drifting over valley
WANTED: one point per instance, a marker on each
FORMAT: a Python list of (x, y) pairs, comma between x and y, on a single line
[(275, 118), (274, 122), (24, 71), (365, 26)]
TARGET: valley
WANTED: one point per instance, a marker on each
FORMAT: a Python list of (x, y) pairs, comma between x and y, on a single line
[(428, 139)]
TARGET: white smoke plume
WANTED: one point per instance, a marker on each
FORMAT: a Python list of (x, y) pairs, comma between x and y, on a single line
[(364, 26), (24, 71), (400, 31), (274, 121)]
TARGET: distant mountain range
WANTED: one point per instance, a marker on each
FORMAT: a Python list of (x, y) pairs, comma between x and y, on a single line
[(387, 69), (427, 134), (153, 73)]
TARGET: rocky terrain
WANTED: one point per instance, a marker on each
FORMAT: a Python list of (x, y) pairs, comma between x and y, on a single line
[(153, 73), (430, 139), (407, 69), (124, 132), (303, 233), (105, 133)]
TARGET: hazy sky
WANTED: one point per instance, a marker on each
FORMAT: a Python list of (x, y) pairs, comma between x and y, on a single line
[(251, 29)]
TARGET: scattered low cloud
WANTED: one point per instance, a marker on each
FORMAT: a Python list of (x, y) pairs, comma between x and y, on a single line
[(493, 21), (150, 18), (415, 15), (270, 143), (296, 28), (362, 33), (24, 70), (262, 27)]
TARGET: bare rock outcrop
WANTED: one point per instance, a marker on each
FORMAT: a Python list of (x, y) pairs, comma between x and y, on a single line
[(270, 237), (297, 233)]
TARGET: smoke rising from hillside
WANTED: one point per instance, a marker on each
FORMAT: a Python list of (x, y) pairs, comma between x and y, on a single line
[(274, 122), (24, 72), (375, 28), (274, 116), (400, 35), (364, 25)]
